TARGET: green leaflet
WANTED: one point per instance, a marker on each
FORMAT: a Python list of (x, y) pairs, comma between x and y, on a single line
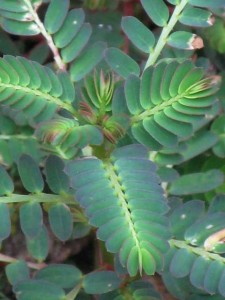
[(30, 174), (101, 282), (55, 15), (66, 137), (33, 91), (207, 3), (185, 40), (14, 18), (55, 273), (31, 219), (132, 205), (38, 289), (136, 290), (138, 33), (6, 183), (218, 127), (193, 16), (87, 60), (167, 102), (61, 222), (157, 11), (196, 183), (38, 246), (17, 271)]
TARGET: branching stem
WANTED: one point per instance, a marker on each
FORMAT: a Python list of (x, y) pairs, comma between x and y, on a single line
[(61, 65), (165, 34)]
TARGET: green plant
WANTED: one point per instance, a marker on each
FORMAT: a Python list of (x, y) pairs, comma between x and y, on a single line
[(114, 146)]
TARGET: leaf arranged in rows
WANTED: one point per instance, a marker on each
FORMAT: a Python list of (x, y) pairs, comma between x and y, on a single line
[(205, 270), (138, 34), (67, 137), (126, 207), (198, 228), (167, 102), (15, 18), (12, 148), (31, 91), (197, 144)]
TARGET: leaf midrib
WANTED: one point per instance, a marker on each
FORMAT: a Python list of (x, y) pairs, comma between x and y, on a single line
[(113, 177), (39, 93), (152, 111)]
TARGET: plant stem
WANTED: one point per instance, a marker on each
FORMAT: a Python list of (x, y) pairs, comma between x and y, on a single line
[(61, 65), (9, 259), (73, 294), (165, 33), (41, 198), (17, 136)]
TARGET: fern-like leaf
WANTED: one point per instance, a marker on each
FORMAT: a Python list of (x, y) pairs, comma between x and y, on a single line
[(67, 137), (167, 102), (198, 244), (126, 206), (32, 92)]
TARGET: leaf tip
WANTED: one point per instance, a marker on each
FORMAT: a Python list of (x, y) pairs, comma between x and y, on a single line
[(195, 42)]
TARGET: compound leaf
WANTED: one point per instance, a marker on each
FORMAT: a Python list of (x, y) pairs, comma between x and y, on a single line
[(169, 110), (114, 197)]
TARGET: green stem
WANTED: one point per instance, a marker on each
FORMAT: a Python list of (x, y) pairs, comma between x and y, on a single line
[(165, 34), (17, 136), (42, 198), (9, 259), (197, 250), (46, 96), (73, 294), (47, 36)]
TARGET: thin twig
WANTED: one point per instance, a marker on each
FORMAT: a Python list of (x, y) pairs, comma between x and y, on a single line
[(9, 259), (61, 65)]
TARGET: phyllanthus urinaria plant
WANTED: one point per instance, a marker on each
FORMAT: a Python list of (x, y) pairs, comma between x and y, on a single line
[(113, 141)]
